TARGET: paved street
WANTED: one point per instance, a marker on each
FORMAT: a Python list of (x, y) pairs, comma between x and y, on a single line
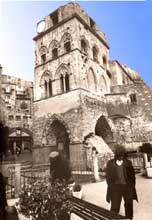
[(96, 193)]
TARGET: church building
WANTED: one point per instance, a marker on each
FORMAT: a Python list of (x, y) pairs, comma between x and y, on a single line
[(79, 90)]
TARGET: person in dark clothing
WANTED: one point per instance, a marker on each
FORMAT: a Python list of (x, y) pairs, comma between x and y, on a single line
[(120, 177), (3, 201), (59, 167), (60, 173)]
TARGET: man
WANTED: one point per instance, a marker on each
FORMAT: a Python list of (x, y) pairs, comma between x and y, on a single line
[(59, 167), (120, 177)]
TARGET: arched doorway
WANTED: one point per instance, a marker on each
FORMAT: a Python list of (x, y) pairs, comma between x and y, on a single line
[(61, 137), (103, 129)]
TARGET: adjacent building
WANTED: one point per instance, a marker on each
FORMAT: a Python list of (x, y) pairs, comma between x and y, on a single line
[(17, 98)]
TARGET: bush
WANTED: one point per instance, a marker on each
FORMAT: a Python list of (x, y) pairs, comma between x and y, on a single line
[(146, 148), (77, 188), (43, 200)]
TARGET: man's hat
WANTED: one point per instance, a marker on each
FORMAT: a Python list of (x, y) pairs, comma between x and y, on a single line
[(53, 154)]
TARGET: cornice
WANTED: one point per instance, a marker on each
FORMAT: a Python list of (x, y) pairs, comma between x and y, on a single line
[(75, 15)]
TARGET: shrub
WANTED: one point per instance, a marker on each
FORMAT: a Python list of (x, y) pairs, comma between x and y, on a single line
[(146, 148), (77, 188), (44, 200)]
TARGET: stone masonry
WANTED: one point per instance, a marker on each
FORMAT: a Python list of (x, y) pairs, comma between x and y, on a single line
[(17, 98), (79, 90)]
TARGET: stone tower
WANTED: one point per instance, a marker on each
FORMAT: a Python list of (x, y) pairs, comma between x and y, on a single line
[(73, 80)]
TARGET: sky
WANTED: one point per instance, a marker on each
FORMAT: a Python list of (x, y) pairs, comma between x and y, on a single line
[(127, 25)]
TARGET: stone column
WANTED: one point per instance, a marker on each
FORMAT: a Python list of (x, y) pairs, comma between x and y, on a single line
[(146, 163), (95, 166)]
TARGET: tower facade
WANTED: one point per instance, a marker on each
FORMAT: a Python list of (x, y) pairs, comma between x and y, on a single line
[(77, 89)]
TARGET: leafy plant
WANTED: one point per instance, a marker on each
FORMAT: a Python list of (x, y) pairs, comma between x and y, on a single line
[(44, 200)]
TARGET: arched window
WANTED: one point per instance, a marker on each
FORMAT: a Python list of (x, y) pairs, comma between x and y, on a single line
[(67, 46), (45, 88), (54, 53), (50, 88), (46, 84), (95, 54), (133, 98), (54, 48), (104, 60), (83, 46), (67, 85), (43, 52), (43, 58), (67, 42), (63, 75), (62, 83)]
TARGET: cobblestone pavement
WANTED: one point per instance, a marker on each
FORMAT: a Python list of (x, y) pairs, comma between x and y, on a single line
[(96, 193)]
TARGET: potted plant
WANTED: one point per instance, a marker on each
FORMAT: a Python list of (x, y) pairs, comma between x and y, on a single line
[(77, 191)]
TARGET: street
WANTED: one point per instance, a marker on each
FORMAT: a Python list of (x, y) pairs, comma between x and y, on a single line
[(96, 193)]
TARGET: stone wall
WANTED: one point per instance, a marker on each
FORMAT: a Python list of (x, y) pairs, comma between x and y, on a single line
[(131, 119), (79, 120), (103, 96), (17, 95)]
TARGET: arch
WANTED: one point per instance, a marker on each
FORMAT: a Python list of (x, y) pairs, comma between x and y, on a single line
[(63, 75), (62, 70), (59, 118), (54, 44), (103, 129), (84, 44), (53, 48), (45, 77), (43, 52), (95, 52), (66, 37), (59, 130), (104, 61), (91, 80), (46, 84), (66, 42)]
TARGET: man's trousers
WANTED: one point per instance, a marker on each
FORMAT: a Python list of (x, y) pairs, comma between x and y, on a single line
[(118, 192)]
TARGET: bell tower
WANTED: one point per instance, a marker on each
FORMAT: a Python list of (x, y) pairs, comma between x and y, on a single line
[(71, 62)]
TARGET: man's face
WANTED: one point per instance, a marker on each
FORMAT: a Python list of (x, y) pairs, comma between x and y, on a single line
[(119, 157)]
